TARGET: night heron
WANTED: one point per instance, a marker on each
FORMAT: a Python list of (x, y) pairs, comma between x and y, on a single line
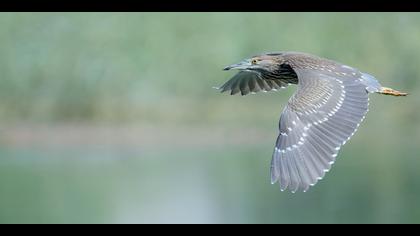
[(330, 102)]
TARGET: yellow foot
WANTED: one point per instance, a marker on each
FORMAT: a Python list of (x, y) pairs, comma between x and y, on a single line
[(390, 91)]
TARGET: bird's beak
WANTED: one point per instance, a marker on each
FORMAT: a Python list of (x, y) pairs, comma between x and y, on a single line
[(243, 65)]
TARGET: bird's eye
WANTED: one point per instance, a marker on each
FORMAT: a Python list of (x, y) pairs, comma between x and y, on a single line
[(254, 61)]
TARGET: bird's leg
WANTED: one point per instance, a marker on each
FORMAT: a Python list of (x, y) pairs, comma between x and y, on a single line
[(390, 91)]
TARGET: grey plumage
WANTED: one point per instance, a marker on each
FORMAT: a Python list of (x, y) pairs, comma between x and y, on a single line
[(249, 82), (318, 119), (330, 103)]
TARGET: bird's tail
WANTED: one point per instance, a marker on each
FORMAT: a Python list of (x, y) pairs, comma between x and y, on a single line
[(373, 86), (390, 91)]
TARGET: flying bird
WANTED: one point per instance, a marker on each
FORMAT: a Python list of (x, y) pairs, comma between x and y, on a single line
[(328, 106)]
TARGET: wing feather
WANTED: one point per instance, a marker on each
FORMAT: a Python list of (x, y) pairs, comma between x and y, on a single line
[(319, 118), (246, 82)]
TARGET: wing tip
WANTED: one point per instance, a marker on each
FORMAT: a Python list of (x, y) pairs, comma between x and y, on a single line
[(304, 190)]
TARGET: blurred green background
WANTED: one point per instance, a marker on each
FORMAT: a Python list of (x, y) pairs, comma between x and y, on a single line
[(111, 118)]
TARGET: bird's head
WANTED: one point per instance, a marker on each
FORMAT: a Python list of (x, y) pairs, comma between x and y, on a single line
[(261, 63)]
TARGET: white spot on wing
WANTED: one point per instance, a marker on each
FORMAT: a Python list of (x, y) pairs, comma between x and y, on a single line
[(347, 67)]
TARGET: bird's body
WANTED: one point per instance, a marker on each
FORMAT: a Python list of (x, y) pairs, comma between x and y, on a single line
[(330, 102)]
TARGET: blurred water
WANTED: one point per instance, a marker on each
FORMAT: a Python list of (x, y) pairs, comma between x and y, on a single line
[(110, 118)]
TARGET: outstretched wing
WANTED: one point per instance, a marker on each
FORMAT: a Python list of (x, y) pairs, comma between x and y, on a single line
[(319, 118), (251, 82)]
